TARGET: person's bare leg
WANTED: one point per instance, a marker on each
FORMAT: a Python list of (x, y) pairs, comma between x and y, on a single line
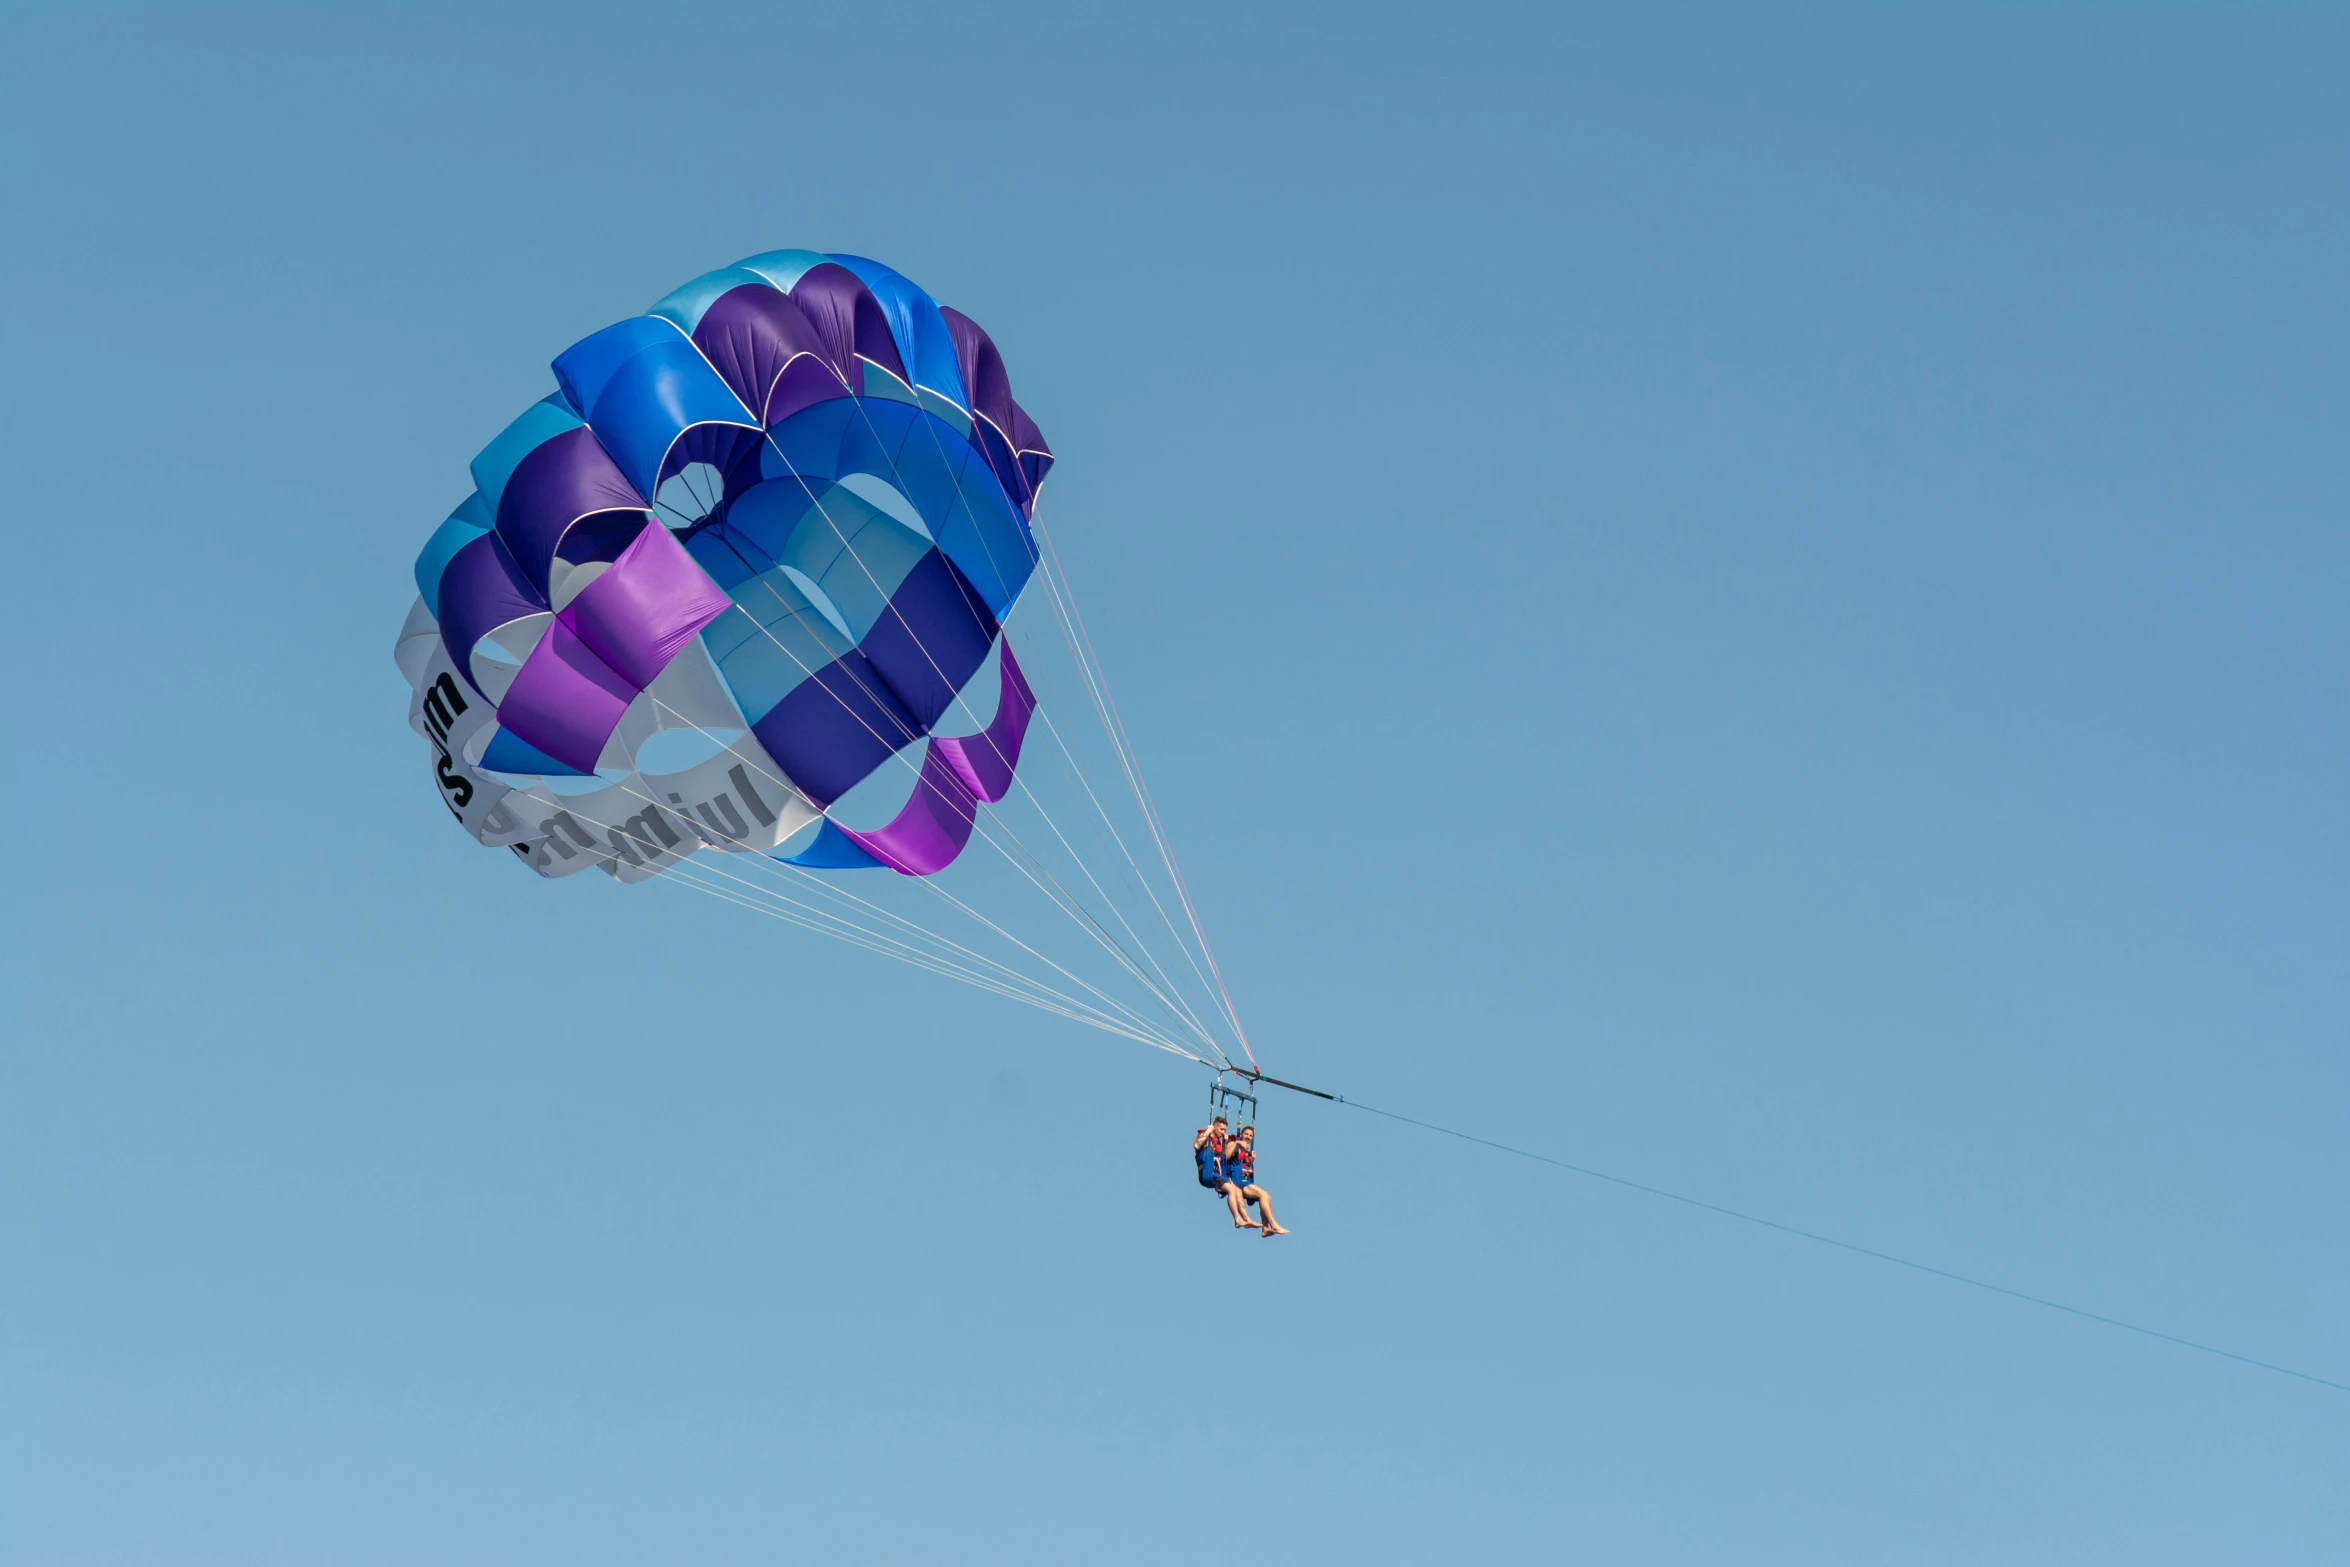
[(1232, 1201), (1271, 1226)]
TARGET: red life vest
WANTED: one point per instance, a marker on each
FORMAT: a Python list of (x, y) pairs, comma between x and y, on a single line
[(1241, 1159)]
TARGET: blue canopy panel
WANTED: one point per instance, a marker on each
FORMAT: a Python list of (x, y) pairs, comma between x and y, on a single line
[(849, 634), (782, 268), (642, 384), (925, 347), (508, 752), (945, 478), (464, 525), (832, 850), (773, 639), (817, 704), (918, 619), (854, 554), (540, 422), (686, 306), (480, 589), (550, 488)]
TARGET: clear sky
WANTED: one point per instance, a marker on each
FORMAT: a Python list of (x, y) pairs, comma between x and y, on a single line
[(1754, 601)]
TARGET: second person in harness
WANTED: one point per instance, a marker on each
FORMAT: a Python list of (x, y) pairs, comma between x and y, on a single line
[(1240, 1164)]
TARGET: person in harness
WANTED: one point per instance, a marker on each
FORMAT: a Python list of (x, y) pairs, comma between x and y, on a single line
[(1240, 1165), (1209, 1147)]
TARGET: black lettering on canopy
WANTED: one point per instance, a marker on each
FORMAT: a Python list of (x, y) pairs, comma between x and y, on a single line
[(442, 703)]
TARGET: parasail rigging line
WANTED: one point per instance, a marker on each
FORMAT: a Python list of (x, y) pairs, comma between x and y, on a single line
[(1074, 1011), (1841, 1245), (764, 860), (713, 868), (1069, 902), (1171, 996), (686, 875), (1106, 1000), (941, 892), (931, 887), (841, 928), (1070, 907), (1093, 675), (946, 966), (1159, 1037), (1081, 652), (1133, 1019), (1064, 602), (1142, 946), (829, 890), (1139, 879), (1089, 669), (1037, 955)]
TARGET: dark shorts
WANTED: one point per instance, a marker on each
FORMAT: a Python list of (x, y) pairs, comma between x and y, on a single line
[(1214, 1183)]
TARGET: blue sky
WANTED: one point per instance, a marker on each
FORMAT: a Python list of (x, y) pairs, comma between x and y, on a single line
[(1750, 601)]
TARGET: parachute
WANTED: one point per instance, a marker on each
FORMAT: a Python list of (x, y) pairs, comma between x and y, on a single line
[(746, 570)]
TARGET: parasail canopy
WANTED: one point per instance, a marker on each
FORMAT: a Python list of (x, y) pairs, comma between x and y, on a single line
[(757, 543)]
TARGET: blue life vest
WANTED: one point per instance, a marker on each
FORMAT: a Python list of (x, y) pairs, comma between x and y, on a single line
[(1240, 1163), (1210, 1158)]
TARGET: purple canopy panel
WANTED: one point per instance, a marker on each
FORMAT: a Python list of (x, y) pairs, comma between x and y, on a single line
[(933, 829), (1036, 458), (848, 320), (835, 727), (749, 334), (647, 604), (805, 382), (482, 589), (987, 760), (565, 700), (934, 634), (560, 481), (982, 367)]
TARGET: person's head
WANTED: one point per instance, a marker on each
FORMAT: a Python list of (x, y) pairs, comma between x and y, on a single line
[(1248, 1134), (1216, 1124)]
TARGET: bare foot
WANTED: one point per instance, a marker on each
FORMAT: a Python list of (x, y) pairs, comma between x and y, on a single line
[(1272, 1230), (1242, 1224)]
